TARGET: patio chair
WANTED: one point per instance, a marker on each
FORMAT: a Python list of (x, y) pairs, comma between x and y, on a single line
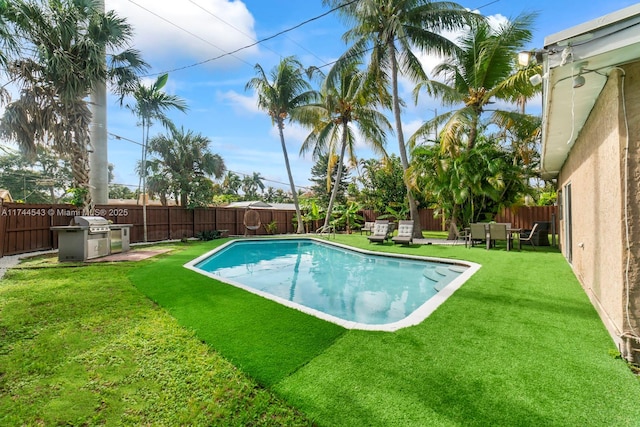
[(380, 232), (458, 235), (405, 232), (499, 232), (529, 239), (367, 227), (477, 233)]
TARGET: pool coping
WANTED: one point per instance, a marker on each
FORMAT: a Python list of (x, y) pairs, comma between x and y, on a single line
[(416, 317)]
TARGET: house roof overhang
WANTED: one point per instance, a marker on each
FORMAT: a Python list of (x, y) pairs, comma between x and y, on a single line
[(592, 50)]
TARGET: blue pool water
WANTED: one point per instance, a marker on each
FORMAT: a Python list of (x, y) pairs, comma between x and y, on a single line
[(348, 287)]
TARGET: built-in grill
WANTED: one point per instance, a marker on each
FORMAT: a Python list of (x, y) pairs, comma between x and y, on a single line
[(95, 224), (85, 237)]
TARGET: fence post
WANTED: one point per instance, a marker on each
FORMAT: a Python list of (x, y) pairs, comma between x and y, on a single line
[(3, 227), (168, 208)]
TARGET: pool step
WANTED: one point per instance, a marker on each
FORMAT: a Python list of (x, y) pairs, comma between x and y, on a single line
[(438, 286), (442, 275), (458, 268), (433, 274)]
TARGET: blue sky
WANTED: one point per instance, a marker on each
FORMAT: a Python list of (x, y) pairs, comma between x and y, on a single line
[(219, 106)]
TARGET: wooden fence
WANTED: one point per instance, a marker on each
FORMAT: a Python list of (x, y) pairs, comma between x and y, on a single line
[(521, 217), (27, 228)]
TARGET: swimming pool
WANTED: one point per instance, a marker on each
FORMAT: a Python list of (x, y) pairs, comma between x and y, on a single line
[(354, 288)]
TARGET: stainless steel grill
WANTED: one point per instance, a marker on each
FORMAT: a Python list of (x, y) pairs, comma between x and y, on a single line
[(94, 224), (84, 238)]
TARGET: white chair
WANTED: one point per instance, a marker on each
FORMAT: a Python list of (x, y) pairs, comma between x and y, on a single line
[(529, 238)]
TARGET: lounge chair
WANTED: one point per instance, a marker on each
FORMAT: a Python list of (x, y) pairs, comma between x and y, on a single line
[(529, 239), (405, 232), (380, 232)]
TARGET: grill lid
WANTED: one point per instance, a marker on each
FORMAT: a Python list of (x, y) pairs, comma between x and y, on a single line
[(95, 224), (89, 221)]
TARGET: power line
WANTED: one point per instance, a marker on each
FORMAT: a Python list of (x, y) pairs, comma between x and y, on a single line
[(315, 18), (487, 4), (119, 137), (249, 36), (269, 180), (274, 36), (125, 139), (188, 32)]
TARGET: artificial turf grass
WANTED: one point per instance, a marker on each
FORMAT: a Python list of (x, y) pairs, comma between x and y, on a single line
[(81, 346), (261, 337), (519, 344)]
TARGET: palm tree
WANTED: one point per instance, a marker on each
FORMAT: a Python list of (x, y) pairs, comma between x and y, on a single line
[(231, 183), (477, 74), (390, 31), (151, 104), (481, 71), (62, 58), (345, 101), (251, 184), (9, 46), (182, 163), (283, 95)]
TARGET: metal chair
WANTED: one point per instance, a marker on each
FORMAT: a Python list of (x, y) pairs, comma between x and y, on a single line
[(529, 239), (367, 227), (457, 235), (477, 233), (499, 232)]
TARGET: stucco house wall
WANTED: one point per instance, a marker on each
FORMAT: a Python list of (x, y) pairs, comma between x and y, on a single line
[(595, 169)]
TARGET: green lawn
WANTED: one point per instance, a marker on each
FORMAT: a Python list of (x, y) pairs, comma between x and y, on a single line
[(81, 346), (518, 345)]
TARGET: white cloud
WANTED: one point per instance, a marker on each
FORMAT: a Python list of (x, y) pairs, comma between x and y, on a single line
[(159, 40), (241, 104), (497, 21)]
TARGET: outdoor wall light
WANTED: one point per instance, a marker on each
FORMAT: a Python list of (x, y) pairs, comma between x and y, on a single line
[(527, 57), (578, 81), (535, 80), (524, 58)]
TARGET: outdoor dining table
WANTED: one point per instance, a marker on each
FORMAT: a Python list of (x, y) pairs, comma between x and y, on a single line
[(511, 232)]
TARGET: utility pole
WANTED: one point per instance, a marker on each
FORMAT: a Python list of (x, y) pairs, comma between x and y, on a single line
[(98, 155)]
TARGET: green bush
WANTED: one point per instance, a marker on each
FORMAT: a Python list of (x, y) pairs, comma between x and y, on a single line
[(208, 235)]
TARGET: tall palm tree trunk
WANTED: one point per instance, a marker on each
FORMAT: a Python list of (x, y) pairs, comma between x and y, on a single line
[(453, 222), (291, 183), (473, 132), (334, 191), (413, 207)]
